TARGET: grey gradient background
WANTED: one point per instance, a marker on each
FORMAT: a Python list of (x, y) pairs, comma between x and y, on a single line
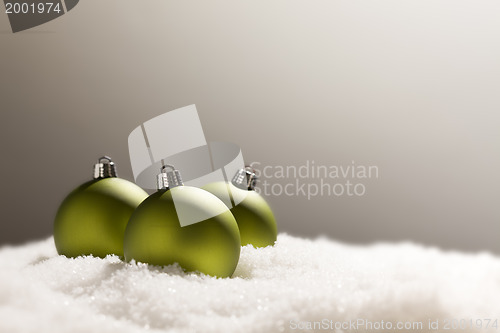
[(410, 86)]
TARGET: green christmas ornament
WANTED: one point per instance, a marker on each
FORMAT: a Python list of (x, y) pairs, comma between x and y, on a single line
[(254, 216), (92, 219), (186, 225)]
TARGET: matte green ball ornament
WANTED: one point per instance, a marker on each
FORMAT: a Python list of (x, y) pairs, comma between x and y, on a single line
[(254, 216), (184, 225), (92, 219)]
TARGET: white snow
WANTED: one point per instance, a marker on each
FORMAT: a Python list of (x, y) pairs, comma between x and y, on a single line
[(274, 289)]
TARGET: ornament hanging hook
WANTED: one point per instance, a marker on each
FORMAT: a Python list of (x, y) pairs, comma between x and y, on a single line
[(249, 168), (105, 157), (162, 170)]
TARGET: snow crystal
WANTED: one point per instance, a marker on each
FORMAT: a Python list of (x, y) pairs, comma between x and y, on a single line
[(272, 290)]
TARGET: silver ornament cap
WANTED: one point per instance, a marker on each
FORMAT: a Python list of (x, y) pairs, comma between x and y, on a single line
[(168, 179), (246, 179), (105, 168)]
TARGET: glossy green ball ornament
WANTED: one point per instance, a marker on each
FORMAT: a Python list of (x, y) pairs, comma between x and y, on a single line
[(92, 219), (184, 225), (254, 216)]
